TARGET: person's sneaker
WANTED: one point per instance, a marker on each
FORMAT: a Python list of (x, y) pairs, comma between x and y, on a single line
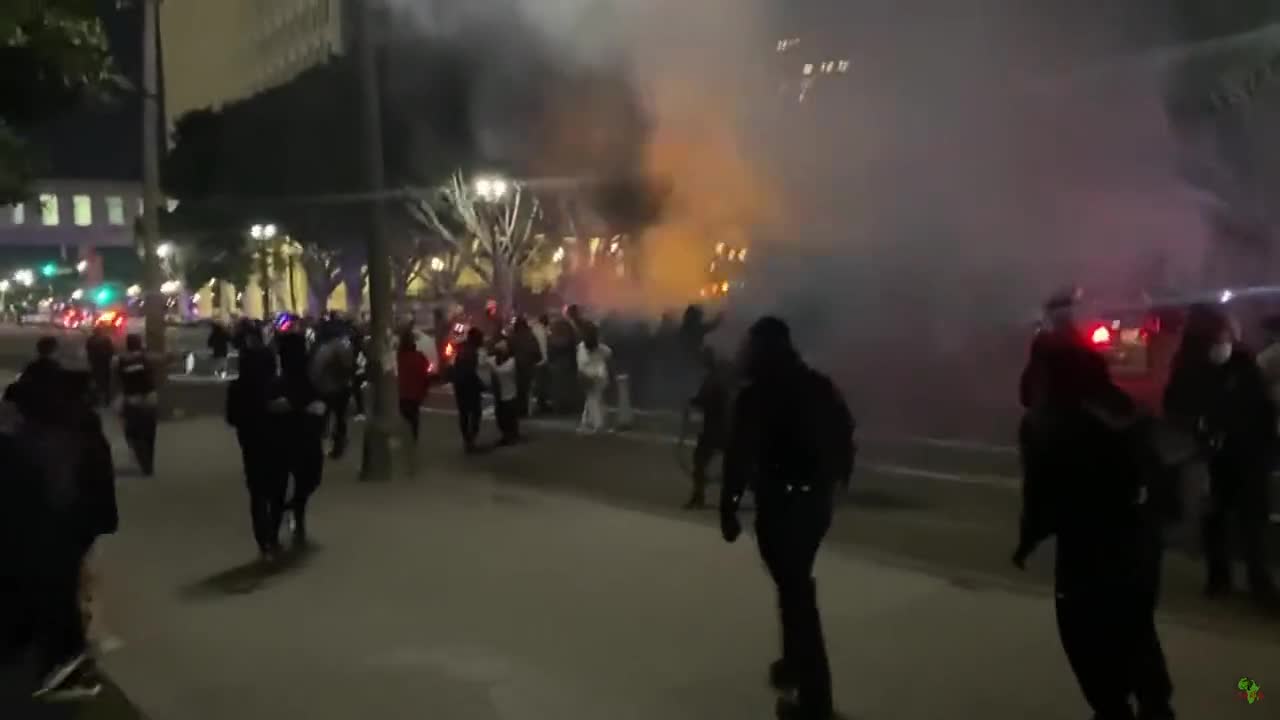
[(74, 691), (790, 709), (60, 674)]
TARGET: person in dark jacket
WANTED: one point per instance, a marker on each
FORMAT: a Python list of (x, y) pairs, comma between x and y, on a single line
[(790, 441), (248, 400), (712, 400), (45, 369), (1084, 484), (528, 356), (219, 347), (468, 387), (1216, 391), (137, 380), (412, 374), (100, 351), (70, 485), (300, 411)]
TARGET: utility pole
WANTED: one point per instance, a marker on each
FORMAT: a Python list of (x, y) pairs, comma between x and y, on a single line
[(151, 196), (381, 427)]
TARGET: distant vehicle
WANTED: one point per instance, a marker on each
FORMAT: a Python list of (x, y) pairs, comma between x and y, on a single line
[(113, 320), (74, 318)]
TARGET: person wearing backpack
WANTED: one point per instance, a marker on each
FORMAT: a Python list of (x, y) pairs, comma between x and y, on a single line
[(1086, 482), (790, 440)]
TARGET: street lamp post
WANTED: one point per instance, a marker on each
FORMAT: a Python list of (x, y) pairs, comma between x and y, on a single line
[(152, 273), (377, 454), (264, 234)]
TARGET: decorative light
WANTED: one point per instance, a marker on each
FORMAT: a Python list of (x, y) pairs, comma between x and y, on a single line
[(719, 249), (437, 264), (4, 286), (170, 287)]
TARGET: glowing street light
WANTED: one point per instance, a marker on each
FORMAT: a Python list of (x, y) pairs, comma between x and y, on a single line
[(25, 278), (78, 294), (133, 291), (82, 266), (263, 232), (171, 287), (558, 255), (437, 264), (164, 251), (492, 189), (719, 249), (4, 286)]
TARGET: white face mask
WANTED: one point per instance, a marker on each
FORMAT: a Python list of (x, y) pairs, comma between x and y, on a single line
[(1220, 353)]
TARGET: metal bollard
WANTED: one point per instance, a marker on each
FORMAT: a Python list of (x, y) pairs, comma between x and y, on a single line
[(625, 413)]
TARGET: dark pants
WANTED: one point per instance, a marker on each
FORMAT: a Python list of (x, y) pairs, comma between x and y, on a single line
[(100, 369), (336, 420), (265, 477), (542, 387), (357, 393), (59, 627), (524, 388), (410, 410), (1111, 642), (140, 434), (789, 530), (507, 413), (703, 453), (1240, 501), (469, 414), (306, 466)]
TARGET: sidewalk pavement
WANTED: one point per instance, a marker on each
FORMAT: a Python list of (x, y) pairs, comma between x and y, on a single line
[(460, 596)]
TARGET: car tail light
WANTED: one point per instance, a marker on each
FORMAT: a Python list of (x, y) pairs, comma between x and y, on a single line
[(1101, 335), (448, 350)]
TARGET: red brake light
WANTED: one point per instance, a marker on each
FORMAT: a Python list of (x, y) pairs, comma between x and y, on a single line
[(1101, 335), (448, 350)]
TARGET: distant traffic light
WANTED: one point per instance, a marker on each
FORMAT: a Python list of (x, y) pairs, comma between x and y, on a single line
[(104, 296), (49, 270)]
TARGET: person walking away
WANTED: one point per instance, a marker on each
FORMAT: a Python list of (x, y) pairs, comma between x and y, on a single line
[(300, 407), (593, 367), (1086, 484), (219, 347), (527, 352), (73, 503), (712, 400), (139, 406), (100, 350), (45, 367), (542, 371), (248, 399), (332, 372), (504, 369), (412, 368), (1217, 392), (788, 440), (468, 388)]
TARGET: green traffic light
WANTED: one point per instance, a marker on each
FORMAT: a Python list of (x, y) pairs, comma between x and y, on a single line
[(49, 270), (103, 296)]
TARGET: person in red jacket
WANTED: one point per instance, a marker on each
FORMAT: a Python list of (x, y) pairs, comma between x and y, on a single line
[(412, 367)]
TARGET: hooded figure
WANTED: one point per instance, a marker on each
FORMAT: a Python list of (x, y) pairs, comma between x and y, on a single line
[(300, 408), (249, 397), (1217, 392), (1088, 488), (791, 441)]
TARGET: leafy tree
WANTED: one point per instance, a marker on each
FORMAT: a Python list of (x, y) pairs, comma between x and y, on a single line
[(52, 54)]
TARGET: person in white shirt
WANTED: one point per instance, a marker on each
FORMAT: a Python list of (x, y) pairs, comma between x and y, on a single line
[(502, 367), (593, 368), (542, 373)]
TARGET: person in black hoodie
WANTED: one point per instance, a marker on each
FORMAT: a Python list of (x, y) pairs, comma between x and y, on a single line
[(468, 388), (1085, 483), (248, 399), (301, 412), (791, 438), (1217, 392), (66, 467)]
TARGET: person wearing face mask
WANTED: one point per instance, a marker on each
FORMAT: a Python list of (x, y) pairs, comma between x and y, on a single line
[(1217, 392)]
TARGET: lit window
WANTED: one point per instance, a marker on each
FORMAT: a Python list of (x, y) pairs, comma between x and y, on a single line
[(808, 68), (844, 66), (49, 210), (82, 210), (115, 210), (19, 214)]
